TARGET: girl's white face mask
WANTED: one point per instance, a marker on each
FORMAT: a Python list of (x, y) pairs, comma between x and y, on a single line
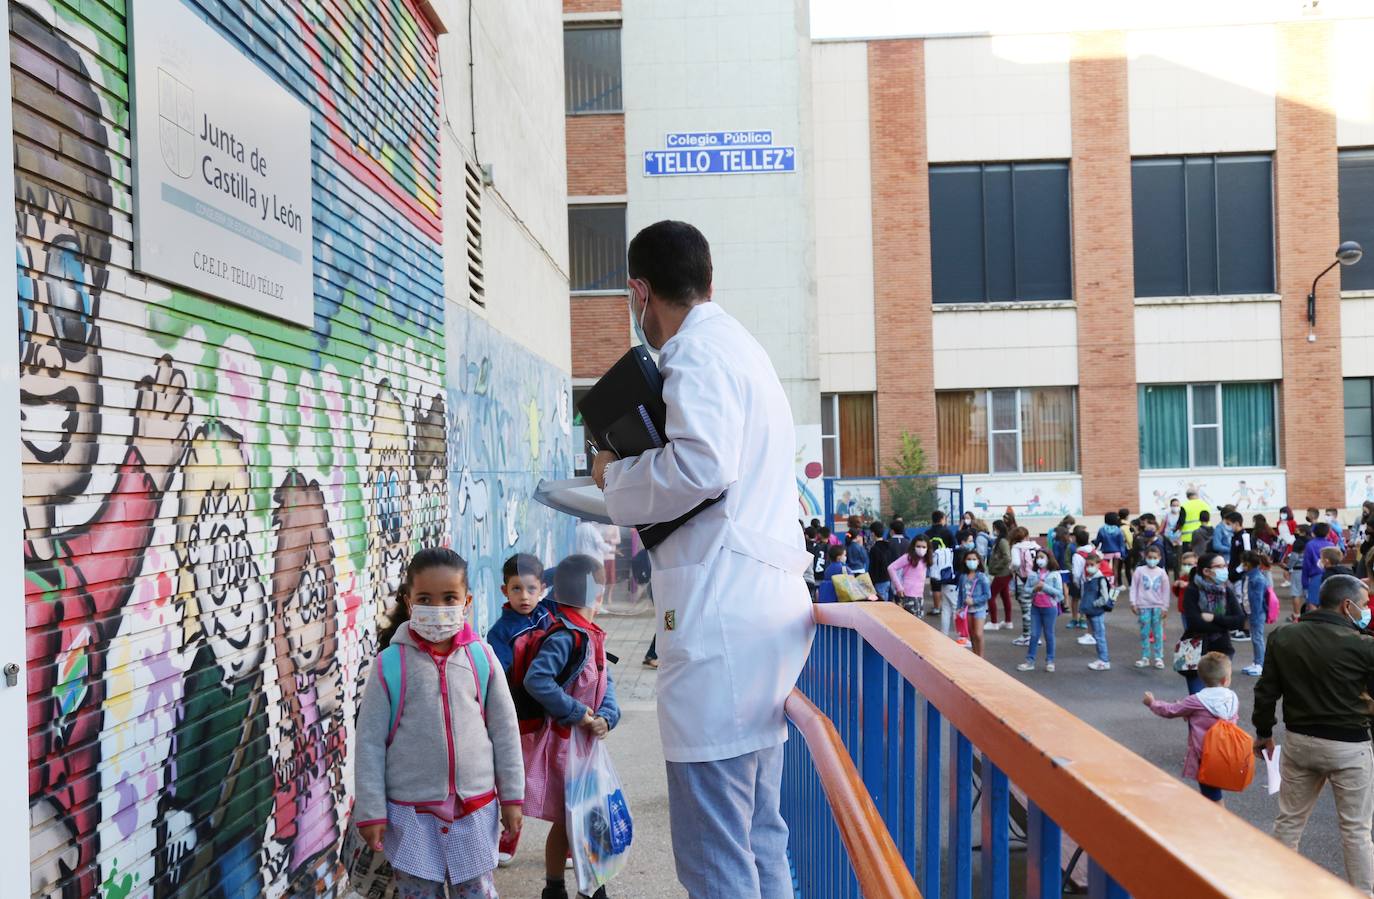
[(437, 623)]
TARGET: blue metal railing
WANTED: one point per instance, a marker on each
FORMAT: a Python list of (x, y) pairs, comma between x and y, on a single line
[(983, 784)]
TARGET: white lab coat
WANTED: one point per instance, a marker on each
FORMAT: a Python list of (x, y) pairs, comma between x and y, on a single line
[(591, 542), (734, 615)]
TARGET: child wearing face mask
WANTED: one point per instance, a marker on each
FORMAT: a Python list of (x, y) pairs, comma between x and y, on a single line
[(908, 573), (438, 777), (1150, 604), (1043, 592), (570, 678), (975, 589)]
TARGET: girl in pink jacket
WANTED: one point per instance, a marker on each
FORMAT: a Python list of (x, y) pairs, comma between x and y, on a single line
[(908, 575)]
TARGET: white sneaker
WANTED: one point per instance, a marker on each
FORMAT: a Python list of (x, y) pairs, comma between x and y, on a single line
[(1087, 640), (504, 860), (1021, 641), (1159, 663), (1142, 663), (1252, 670), (1026, 666), (1100, 666), (1049, 667)]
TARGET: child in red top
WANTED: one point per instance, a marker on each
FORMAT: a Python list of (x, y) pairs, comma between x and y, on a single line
[(1186, 564)]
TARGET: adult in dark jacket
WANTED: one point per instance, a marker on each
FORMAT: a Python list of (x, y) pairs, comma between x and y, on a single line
[(1210, 611), (1322, 668)]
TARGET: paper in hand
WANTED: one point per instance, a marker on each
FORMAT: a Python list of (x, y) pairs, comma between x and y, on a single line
[(1271, 769), (579, 497)]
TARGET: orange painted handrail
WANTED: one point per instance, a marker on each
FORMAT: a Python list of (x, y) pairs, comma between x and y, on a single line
[(878, 866), (1154, 835)]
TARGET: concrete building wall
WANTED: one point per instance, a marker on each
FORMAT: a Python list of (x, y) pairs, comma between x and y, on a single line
[(998, 98), (844, 217), (1006, 345), (508, 358), (1297, 89), (710, 67), (1202, 90), (1209, 339)]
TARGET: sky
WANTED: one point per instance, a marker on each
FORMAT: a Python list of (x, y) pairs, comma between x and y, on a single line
[(878, 18)]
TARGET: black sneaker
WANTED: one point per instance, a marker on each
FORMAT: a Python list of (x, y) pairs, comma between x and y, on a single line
[(554, 891), (599, 894)]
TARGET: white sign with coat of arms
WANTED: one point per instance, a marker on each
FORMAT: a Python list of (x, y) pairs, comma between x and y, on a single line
[(222, 177)]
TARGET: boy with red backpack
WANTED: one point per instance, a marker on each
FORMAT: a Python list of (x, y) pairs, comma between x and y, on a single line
[(1220, 755), (561, 679)]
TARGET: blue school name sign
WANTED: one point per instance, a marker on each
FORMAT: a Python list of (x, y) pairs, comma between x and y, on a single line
[(719, 153)]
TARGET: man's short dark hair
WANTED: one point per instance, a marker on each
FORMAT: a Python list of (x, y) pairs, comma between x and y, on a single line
[(937, 516), (1320, 530), (898, 526), (1338, 589), (1235, 518), (522, 565), (675, 259), (1204, 516)]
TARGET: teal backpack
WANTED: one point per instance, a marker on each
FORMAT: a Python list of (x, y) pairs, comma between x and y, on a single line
[(393, 667)]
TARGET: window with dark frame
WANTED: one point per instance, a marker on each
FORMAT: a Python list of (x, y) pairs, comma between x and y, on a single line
[(848, 435), (596, 248), (591, 69), (1359, 421), (1203, 225), (1356, 169), (1000, 232)]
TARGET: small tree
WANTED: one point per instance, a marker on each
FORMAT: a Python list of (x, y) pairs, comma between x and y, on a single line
[(912, 499)]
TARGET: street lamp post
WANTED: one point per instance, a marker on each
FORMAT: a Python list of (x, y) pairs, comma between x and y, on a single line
[(1348, 253)]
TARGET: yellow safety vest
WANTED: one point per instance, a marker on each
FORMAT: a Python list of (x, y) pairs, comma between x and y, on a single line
[(1191, 510)]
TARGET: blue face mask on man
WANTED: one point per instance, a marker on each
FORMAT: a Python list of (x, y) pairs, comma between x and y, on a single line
[(1363, 621)]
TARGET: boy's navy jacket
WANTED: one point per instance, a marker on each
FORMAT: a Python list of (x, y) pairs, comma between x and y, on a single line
[(501, 636)]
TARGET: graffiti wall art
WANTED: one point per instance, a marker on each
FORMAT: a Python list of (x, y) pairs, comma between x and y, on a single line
[(219, 505)]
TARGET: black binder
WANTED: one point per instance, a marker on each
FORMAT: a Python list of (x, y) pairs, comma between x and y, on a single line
[(624, 413)]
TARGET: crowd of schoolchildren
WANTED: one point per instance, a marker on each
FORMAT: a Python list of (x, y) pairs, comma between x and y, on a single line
[(459, 738), (1222, 579)]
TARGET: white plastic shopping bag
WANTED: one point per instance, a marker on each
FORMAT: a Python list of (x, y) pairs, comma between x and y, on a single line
[(600, 829), (1271, 769)]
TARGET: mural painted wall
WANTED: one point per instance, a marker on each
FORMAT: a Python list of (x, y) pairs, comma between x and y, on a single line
[(1031, 496), (516, 428), (218, 505), (1250, 490)]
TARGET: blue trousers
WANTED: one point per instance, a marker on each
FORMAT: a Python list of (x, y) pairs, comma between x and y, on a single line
[(1258, 616), (1042, 623), (1098, 623), (729, 838)]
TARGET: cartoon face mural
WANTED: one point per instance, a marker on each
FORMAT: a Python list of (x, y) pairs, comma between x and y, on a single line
[(219, 581), (310, 747), (62, 255), (389, 470), (431, 474), (219, 784)]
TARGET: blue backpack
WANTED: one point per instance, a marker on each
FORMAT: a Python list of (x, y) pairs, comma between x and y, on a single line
[(393, 668)]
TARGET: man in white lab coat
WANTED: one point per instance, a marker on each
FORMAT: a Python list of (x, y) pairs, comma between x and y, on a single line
[(734, 617)]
